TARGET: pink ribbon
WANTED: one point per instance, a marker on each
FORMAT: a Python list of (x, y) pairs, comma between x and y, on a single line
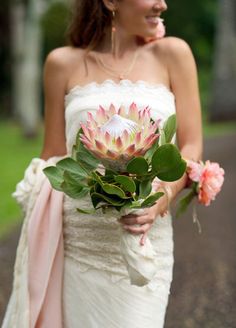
[(46, 256)]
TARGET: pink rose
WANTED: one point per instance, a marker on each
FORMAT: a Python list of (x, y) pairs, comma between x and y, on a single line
[(195, 170), (161, 31), (205, 181), (209, 176), (210, 183)]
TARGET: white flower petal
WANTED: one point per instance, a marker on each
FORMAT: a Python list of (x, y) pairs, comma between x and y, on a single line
[(117, 125)]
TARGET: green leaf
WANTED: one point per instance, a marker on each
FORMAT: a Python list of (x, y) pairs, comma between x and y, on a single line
[(83, 211), (162, 139), (72, 178), (110, 172), (148, 155), (107, 179), (55, 176), (73, 188), (127, 183), (138, 165), (137, 183), (145, 188), (167, 163), (73, 155), (97, 198), (149, 201), (97, 178), (184, 202), (165, 158), (169, 128), (113, 190), (84, 156), (77, 140), (174, 174), (72, 166)]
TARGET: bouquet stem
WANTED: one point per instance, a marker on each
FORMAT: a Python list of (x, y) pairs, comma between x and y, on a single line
[(140, 260)]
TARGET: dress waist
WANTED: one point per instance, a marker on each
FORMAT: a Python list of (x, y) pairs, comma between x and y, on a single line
[(93, 241)]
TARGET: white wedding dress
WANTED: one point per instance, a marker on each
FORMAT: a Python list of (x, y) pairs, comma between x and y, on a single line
[(96, 291)]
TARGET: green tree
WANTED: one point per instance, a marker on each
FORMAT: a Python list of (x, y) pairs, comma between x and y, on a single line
[(54, 23), (194, 21)]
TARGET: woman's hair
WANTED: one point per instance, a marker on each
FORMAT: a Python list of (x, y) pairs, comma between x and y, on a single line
[(89, 20)]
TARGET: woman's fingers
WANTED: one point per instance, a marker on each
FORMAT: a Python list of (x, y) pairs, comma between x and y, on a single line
[(145, 221), (141, 219), (138, 230), (143, 239), (138, 220)]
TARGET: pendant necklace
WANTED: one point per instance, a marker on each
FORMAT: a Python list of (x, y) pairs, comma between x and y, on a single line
[(119, 75)]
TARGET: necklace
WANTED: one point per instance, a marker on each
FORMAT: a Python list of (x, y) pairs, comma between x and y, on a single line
[(115, 73)]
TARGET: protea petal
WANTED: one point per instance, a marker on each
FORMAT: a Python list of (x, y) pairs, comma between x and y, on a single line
[(138, 138), (90, 116), (153, 127), (139, 152), (92, 122), (101, 116), (107, 138), (149, 141), (112, 154), (91, 134), (85, 130), (146, 116), (133, 112), (125, 138), (87, 144), (119, 143), (130, 150), (100, 146), (112, 110), (122, 111)]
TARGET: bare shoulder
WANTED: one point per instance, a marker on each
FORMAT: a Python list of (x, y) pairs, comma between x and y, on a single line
[(59, 66), (63, 58), (173, 49)]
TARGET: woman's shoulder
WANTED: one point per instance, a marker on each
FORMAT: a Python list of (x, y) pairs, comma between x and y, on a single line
[(64, 57), (173, 47)]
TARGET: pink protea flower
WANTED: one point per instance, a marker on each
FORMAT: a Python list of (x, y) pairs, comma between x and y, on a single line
[(160, 33), (210, 178), (119, 135)]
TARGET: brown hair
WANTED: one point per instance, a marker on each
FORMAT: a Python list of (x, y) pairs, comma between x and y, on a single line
[(89, 21)]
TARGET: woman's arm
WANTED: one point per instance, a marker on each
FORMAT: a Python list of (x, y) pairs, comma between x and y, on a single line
[(54, 91), (184, 84)]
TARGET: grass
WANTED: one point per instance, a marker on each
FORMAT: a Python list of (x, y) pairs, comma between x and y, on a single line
[(16, 153)]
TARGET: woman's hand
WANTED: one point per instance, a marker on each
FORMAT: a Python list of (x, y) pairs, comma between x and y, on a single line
[(146, 219)]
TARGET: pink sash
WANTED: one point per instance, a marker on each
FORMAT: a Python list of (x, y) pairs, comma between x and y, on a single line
[(46, 255)]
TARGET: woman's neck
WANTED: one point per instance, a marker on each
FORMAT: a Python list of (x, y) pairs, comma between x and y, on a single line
[(124, 43)]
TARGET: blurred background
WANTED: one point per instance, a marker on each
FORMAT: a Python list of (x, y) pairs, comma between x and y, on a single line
[(203, 292)]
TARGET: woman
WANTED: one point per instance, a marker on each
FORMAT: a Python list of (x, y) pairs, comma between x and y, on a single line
[(111, 60)]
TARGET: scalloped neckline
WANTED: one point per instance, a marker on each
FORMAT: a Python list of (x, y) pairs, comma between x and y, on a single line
[(126, 82)]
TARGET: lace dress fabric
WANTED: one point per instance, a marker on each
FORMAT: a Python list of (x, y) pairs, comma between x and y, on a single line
[(97, 292)]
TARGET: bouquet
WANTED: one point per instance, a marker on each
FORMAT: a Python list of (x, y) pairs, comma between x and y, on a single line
[(117, 155)]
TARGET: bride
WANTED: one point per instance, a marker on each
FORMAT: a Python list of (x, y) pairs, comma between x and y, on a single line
[(69, 271)]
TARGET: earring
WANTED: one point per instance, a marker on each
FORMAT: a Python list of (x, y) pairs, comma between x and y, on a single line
[(113, 32)]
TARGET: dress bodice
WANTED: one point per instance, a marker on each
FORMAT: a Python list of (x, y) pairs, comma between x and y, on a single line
[(83, 99), (92, 241)]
